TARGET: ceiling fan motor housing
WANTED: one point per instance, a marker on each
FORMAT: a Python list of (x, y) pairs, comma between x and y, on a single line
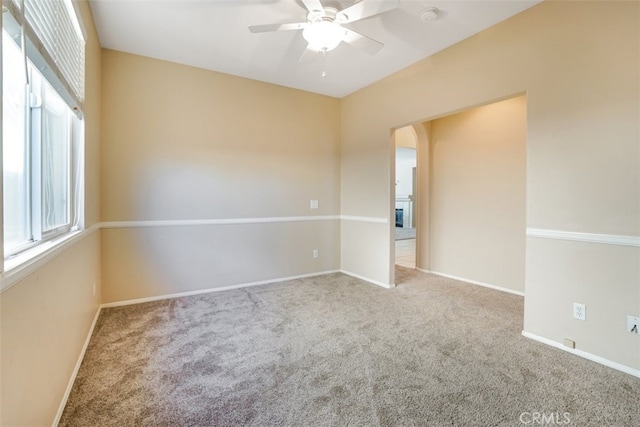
[(328, 14)]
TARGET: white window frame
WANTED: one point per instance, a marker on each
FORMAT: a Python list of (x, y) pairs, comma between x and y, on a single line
[(41, 242)]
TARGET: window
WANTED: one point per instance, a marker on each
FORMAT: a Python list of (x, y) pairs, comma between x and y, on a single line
[(41, 145)]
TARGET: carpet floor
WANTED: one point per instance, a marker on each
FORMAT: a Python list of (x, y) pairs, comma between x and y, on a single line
[(334, 351)]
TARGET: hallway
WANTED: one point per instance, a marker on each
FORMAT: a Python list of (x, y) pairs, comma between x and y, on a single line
[(406, 253)]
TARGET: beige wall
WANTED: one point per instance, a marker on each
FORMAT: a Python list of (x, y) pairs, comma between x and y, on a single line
[(181, 143), (151, 262), (606, 278), (45, 321), (45, 318), (477, 186), (405, 137), (580, 74), (93, 118)]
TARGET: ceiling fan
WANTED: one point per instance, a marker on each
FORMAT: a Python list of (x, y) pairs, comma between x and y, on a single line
[(324, 30)]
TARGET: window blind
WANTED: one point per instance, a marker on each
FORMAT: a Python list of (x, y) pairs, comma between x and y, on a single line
[(55, 45)]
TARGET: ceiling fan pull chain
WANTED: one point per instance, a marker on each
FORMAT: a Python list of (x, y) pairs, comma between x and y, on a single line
[(324, 63)]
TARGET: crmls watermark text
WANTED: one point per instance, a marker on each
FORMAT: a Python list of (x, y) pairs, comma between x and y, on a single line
[(545, 418)]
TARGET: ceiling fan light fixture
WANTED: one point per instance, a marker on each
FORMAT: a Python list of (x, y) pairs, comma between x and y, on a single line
[(324, 36)]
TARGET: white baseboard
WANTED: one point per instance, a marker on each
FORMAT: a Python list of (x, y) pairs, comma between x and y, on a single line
[(74, 374), (584, 354), (475, 282), (366, 279), (209, 290)]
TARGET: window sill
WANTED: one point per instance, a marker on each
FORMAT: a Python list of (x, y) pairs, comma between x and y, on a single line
[(20, 266)]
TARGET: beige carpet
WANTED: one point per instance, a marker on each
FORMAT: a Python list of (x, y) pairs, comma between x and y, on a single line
[(335, 351)]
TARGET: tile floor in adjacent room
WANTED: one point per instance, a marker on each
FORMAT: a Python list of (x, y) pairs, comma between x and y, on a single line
[(406, 253)]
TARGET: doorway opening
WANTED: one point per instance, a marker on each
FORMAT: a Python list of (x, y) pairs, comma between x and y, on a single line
[(469, 201), (406, 182)]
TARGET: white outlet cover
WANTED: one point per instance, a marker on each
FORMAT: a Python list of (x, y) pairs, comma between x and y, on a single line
[(313, 204), (579, 311)]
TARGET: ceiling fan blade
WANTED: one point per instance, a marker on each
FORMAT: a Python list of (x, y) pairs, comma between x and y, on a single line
[(360, 41), (277, 27), (365, 9), (313, 5)]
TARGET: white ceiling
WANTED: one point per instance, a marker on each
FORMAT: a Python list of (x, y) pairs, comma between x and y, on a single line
[(213, 34)]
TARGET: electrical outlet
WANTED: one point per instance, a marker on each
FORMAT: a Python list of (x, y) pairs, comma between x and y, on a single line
[(313, 204), (633, 324), (579, 311), (315, 253)]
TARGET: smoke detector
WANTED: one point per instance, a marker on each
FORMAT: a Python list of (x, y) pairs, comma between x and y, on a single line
[(430, 14)]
